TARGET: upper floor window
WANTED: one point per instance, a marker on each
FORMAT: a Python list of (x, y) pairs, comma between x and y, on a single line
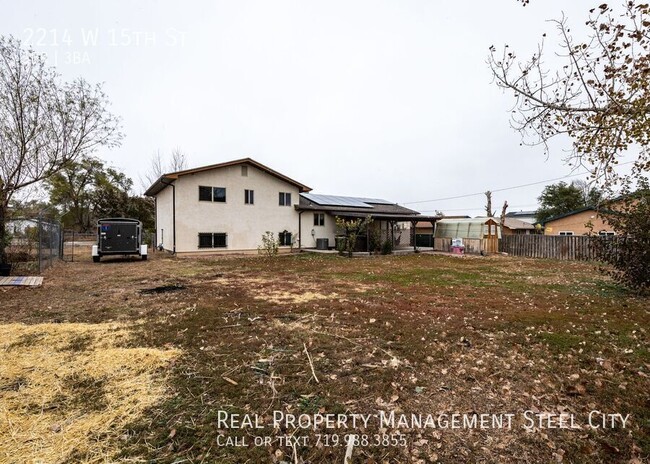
[(217, 194), (319, 219), (244, 171), (249, 197), (606, 233), (565, 233), (285, 199), (205, 193)]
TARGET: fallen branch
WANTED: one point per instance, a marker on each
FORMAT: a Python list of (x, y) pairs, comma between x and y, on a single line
[(311, 364), (348, 451), (229, 380)]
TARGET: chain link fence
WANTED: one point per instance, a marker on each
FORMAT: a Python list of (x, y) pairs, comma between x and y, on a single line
[(35, 244), (77, 246)]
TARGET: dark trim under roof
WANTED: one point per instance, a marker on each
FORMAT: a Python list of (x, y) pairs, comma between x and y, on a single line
[(166, 179), (385, 216)]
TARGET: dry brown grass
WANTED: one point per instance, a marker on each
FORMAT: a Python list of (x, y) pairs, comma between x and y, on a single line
[(413, 334), (68, 390)]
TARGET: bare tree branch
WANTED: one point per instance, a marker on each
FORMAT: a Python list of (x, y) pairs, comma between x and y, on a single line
[(600, 97), (44, 124)]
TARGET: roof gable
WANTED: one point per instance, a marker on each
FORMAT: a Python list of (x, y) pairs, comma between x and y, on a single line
[(166, 179)]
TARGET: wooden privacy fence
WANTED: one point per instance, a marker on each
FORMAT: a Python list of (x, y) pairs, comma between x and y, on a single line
[(570, 247)]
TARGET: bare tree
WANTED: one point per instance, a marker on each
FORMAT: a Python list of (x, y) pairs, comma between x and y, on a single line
[(488, 206), (44, 124), (177, 161), (591, 196), (158, 167), (503, 212), (599, 96)]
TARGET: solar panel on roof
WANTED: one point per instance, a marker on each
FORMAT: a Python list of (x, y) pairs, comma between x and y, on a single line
[(333, 200), (376, 201)]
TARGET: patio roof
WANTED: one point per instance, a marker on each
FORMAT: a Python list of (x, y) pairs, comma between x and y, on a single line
[(386, 216)]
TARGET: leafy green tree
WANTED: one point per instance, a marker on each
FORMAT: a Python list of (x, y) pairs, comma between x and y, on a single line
[(44, 123), (87, 190), (71, 190), (599, 94), (561, 198)]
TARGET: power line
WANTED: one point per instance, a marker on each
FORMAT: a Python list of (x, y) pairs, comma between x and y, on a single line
[(506, 188), (473, 209)]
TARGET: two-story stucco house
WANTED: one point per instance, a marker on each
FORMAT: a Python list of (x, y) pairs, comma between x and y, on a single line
[(228, 207), (225, 207)]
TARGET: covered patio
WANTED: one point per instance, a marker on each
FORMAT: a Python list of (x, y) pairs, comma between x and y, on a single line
[(387, 224)]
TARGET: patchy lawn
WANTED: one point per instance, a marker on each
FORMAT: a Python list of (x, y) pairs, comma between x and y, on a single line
[(127, 360)]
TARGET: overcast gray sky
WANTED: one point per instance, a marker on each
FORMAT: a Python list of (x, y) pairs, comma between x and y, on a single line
[(387, 99)]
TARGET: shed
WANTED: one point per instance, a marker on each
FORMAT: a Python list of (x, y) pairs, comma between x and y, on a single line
[(479, 234), (473, 228)]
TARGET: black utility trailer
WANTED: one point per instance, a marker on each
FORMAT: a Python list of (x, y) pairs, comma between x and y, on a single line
[(119, 236)]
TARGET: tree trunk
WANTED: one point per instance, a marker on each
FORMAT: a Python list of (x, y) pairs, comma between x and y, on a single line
[(3, 230)]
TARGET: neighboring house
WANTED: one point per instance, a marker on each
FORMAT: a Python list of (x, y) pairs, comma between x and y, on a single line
[(229, 206), (21, 226), (513, 226), (225, 207), (526, 216), (583, 221)]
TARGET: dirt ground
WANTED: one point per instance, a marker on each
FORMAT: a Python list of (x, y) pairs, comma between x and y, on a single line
[(462, 344)]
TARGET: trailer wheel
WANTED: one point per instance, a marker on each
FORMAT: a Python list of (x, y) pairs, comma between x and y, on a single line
[(144, 257), (96, 259)]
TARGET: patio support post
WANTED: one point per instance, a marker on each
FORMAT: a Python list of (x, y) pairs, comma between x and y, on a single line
[(368, 238), (414, 235)]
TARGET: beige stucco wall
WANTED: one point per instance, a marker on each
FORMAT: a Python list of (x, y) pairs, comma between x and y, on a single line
[(244, 224), (164, 224), (576, 223), (325, 231)]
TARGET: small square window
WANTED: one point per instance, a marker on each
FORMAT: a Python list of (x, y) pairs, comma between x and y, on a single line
[(319, 219), (205, 193), (284, 238), (219, 194), (244, 171), (249, 197), (285, 199), (220, 240), (205, 240)]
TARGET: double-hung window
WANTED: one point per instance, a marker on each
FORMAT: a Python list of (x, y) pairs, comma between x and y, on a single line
[(249, 197), (285, 199)]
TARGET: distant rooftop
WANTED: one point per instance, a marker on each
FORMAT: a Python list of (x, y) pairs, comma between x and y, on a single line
[(520, 213)]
